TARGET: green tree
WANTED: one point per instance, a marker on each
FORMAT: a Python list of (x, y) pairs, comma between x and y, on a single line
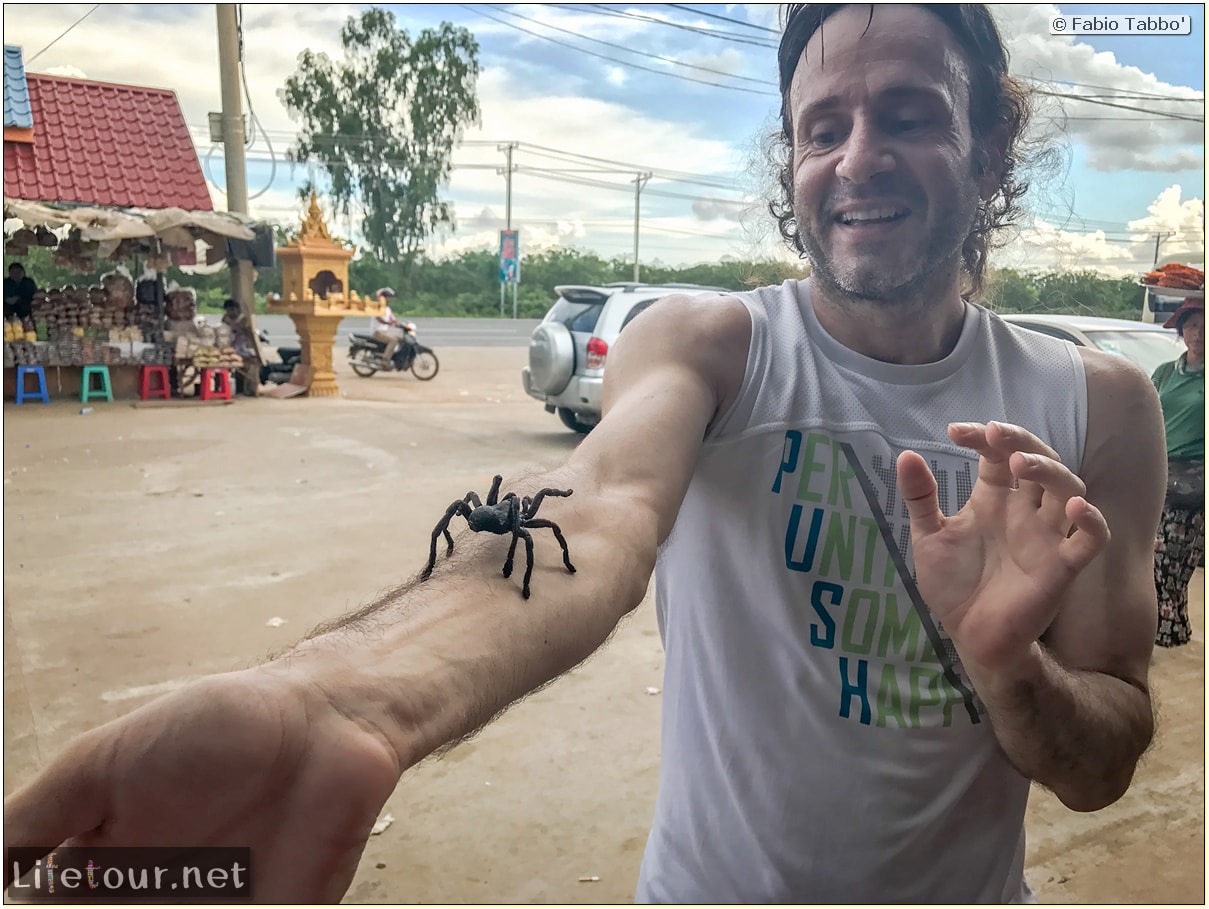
[(1011, 291), (383, 123)]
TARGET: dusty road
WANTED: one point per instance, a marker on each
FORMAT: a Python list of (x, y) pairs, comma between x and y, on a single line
[(146, 547)]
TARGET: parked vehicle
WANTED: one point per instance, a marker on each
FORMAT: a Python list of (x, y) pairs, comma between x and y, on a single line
[(1145, 343), (365, 355), (279, 361), (567, 351)]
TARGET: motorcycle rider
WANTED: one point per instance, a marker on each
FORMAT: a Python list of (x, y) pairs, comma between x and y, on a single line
[(388, 329)]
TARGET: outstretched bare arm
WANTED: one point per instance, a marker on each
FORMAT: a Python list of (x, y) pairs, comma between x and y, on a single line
[(296, 757)]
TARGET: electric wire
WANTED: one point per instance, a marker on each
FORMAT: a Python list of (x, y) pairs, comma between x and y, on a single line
[(1141, 95), (252, 118), (630, 50), (698, 12), (711, 33), (62, 34), (580, 50)]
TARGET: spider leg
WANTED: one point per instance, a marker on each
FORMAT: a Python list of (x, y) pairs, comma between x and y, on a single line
[(471, 498), (537, 500), (558, 535), (515, 516), (456, 508), (495, 490), (528, 538), (511, 553)]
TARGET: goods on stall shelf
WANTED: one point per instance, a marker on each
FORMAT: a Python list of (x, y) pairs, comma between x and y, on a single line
[(180, 305), (207, 346), (81, 326)]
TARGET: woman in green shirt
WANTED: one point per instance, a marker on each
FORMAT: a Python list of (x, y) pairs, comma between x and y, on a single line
[(1180, 544)]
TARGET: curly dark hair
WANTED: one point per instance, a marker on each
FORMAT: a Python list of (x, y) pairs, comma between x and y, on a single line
[(997, 100)]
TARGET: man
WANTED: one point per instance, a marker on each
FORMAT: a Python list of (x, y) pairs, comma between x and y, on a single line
[(248, 376), (867, 660), (388, 329), (19, 293)]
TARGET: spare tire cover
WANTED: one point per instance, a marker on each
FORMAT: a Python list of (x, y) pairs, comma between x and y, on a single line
[(551, 358)]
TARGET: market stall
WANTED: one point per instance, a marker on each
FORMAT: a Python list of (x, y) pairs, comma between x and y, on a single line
[(124, 322), (108, 175)]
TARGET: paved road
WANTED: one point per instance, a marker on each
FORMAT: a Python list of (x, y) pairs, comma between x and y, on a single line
[(434, 333)]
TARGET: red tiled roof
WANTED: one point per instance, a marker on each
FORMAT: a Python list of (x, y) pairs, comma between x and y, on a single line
[(104, 144)]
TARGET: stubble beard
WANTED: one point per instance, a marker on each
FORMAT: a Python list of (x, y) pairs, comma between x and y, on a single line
[(870, 281)]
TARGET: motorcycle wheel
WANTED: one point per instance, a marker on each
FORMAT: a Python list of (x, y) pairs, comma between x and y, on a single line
[(425, 364), (362, 361)]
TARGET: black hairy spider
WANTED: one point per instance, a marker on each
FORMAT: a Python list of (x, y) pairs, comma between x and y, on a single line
[(506, 515)]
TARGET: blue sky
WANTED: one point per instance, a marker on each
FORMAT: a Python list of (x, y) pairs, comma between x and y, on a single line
[(1123, 166)]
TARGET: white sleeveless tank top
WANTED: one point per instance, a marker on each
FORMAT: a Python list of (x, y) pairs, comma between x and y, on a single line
[(820, 741)]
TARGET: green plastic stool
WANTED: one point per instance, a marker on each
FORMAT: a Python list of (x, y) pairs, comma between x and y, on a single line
[(87, 392)]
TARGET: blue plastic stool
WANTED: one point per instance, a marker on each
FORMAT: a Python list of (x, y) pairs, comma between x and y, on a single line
[(87, 392), (22, 393)]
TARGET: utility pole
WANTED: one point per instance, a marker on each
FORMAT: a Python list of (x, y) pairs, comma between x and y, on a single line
[(507, 149), (229, 55), (639, 182), (1159, 238)]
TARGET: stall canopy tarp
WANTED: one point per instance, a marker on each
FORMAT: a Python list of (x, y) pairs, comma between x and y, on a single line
[(174, 227), (172, 224), (35, 214)]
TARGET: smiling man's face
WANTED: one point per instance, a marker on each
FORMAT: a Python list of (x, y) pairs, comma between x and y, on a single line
[(884, 186)]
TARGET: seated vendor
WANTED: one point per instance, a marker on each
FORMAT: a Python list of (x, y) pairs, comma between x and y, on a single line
[(19, 290), (247, 378)]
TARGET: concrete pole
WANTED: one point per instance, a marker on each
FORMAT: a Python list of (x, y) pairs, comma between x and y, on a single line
[(243, 275), (507, 150), (508, 186), (638, 182)]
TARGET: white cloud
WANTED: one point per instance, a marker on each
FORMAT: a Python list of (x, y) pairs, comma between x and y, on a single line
[(71, 72), (520, 101), (1118, 139), (1180, 225), (713, 210)]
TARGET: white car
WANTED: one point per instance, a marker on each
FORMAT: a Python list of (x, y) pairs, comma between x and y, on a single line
[(1145, 343), (567, 351)]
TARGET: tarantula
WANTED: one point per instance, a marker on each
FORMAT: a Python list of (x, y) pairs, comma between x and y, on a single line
[(506, 515)]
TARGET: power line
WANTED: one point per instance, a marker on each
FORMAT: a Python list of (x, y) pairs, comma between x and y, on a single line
[(62, 34), (698, 12), (600, 184), (1108, 88), (675, 176), (630, 50), (711, 33), (1156, 113), (658, 72), (555, 154)]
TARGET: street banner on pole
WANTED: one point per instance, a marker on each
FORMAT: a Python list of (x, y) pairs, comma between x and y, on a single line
[(510, 257)]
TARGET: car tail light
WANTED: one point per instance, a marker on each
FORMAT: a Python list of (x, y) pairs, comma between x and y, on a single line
[(597, 351)]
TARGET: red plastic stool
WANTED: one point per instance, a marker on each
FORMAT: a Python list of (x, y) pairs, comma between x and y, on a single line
[(161, 389), (208, 390)]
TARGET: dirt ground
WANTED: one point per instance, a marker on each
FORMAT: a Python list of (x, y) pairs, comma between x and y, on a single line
[(145, 547)]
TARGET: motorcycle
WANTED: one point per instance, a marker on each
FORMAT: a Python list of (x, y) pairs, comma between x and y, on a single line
[(365, 355), (278, 371)]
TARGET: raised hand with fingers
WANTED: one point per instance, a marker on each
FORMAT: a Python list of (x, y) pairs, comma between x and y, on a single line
[(994, 573)]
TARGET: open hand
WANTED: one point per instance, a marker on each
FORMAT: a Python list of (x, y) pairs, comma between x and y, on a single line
[(993, 573), (243, 759)]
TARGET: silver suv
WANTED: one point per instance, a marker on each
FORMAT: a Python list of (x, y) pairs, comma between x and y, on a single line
[(567, 351)]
